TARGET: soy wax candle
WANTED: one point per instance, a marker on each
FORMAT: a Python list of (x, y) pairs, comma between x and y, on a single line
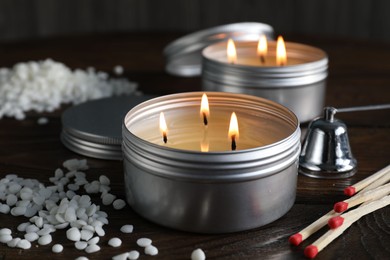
[(296, 80), (193, 179)]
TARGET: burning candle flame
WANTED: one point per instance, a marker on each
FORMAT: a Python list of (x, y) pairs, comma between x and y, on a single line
[(204, 109), (262, 48), (231, 52), (281, 54), (204, 146), (163, 127), (233, 130)]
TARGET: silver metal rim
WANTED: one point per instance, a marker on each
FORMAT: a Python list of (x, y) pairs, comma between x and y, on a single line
[(232, 166)]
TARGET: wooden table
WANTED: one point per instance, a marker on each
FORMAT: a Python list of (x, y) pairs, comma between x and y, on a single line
[(359, 75)]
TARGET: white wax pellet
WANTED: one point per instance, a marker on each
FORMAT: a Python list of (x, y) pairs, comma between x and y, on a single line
[(39, 200), (22, 203), (45, 231), (18, 211), (73, 187), (103, 220), (39, 222), (119, 204), (32, 210), (85, 201), (57, 248), (11, 199), (25, 195), (133, 255), (127, 229), (91, 210), (103, 189), (60, 218), (32, 236), (100, 231), (102, 214), (4, 208), (45, 240), (108, 198), (5, 238), (5, 231), (14, 188), (115, 242), (86, 235), (62, 225), (80, 175), (70, 214), (81, 245), (58, 173), (11, 176), (81, 258), (14, 242), (42, 121), (89, 227), (63, 207), (121, 256), (70, 194), (94, 240), (32, 228), (24, 244), (151, 250), (71, 164), (73, 234), (144, 242), (78, 223), (83, 164), (118, 70), (198, 254), (92, 248), (103, 179)]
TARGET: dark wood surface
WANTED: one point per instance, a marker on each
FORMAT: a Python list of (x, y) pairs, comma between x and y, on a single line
[(356, 19), (359, 75)]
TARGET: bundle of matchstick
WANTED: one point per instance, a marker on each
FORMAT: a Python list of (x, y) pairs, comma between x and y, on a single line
[(370, 194)]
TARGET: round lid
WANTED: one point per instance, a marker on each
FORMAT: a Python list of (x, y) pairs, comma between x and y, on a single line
[(184, 55), (94, 128)]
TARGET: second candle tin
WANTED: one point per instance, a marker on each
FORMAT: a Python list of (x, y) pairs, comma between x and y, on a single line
[(300, 87)]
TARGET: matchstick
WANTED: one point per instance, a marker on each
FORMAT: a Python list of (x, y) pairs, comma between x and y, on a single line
[(302, 235), (384, 179), (339, 207), (377, 193), (312, 250), (352, 190), (375, 204)]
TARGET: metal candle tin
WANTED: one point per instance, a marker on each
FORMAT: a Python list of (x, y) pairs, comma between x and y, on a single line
[(300, 87), (212, 192)]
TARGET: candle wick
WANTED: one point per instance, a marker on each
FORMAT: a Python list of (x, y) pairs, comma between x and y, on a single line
[(205, 121), (165, 138), (262, 59), (234, 146)]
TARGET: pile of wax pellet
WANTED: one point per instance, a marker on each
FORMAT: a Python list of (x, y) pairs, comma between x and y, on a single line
[(45, 85), (58, 206)]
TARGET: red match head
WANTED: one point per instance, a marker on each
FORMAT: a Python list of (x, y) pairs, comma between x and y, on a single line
[(335, 222), (350, 191), (311, 251), (340, 206), (295, 239)]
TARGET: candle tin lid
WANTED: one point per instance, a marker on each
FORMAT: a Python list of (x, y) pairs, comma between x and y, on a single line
[(94, 128), (184, 55)]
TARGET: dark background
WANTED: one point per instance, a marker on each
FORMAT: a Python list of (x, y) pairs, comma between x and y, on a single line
[(354, 19)]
